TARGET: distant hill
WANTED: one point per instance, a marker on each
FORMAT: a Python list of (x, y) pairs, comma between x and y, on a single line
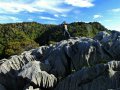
[(18, 37)]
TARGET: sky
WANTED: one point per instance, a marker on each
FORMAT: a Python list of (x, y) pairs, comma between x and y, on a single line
[(107, 12)]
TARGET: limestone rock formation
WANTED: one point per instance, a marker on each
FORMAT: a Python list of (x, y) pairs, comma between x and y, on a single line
[(111, 44), (98, 77), (35, 72), (78, 63)]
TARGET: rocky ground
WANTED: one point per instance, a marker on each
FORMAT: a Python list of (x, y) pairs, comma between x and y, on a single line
[(78, 63)]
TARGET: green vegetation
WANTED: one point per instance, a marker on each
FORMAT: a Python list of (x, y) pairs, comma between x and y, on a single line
[(18, 37)]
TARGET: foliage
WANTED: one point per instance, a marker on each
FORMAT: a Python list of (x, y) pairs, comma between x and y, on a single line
[(17, 37)]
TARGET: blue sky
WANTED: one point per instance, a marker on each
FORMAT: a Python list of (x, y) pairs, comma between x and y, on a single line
[(107, 12)]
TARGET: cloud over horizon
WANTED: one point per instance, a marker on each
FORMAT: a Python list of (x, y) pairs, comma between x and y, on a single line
[(46, 18), (116, 10), (4, 18), (97, 16)]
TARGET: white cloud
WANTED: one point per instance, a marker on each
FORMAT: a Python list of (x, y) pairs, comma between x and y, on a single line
[(114, 27), (58, 8), (8, 18), (14, 6), (56, 15), (30, 19), (51, 5), (4, 19), (60, 15), (97, 16), (116, 10), (80, 3), (64, 15), (47, 18)]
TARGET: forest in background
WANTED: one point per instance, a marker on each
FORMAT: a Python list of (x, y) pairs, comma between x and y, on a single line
[(18, 37)]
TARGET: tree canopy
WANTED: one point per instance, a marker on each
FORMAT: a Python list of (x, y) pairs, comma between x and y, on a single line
[(18, 37)]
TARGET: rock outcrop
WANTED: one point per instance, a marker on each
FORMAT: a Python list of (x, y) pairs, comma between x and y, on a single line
[(78, 63), (98, 77)]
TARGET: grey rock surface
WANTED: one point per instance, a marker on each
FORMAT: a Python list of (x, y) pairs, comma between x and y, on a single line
[(98, 77), (35, 72), (2, 87), (111, 44), (78, 63)]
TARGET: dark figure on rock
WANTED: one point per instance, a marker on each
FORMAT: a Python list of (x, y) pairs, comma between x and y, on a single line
[(66, 33)]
